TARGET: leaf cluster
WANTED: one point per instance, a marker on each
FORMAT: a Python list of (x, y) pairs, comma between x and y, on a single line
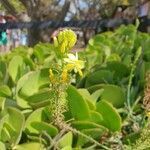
[(98, 115)]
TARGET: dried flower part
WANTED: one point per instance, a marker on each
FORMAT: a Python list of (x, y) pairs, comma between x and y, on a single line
[(146, 100)]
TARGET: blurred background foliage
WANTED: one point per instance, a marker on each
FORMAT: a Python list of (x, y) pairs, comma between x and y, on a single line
[(60, 10)]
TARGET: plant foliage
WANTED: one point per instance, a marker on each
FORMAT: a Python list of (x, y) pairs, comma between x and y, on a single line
[(50, 100)]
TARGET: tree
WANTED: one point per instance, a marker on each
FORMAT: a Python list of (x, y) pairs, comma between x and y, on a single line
[(38, 10), (41, 10)]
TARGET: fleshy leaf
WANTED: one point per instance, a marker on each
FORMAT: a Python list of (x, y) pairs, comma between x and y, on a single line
[(77, 105), (111, 118)]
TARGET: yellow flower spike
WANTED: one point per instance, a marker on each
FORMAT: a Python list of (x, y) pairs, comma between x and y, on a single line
[(71, 37), (66, 40), (64, 76), (60, 37), (63, 48), (69, 67), (51, 76)]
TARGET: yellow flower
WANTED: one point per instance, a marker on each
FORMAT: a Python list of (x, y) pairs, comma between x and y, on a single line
[(63, 47), (52, 76), (64, 76), (65, 40), (74, 64)]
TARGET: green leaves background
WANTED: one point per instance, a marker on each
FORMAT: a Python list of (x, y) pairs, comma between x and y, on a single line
[(96, 104)]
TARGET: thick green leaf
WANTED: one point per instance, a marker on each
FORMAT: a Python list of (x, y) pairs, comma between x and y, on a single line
[(7, 133), (40, 104), (111, 93), (20, 101), (97, 40), (40, 99), (16, 119), (30, 84), (44, 127), (111, 118), (66, 140), (37, 116), (77, 104), (39, 54), (94, 88), (113, 57), (81, 83), (8, 102), (29, 62), (30, 146), (67, 148), (5, 91), (3, 118), (86, 95), (114, 94), (15, 68), (2, 101), (97, 94), (97, 77), (119, 69), (42, 51), (96, 117), (95, 133), (127, 60), (34, 82), (12, 125), (80, 125), (3, 69), (2, 146)]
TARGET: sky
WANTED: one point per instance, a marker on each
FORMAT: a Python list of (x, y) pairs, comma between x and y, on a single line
[(73, 9)]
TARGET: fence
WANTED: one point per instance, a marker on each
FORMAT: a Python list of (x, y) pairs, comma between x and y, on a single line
[(95, 24)]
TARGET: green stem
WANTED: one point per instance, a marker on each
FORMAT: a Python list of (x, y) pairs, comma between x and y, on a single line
[(137, 56), (129, 89), (132, 108), (88, 137)]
